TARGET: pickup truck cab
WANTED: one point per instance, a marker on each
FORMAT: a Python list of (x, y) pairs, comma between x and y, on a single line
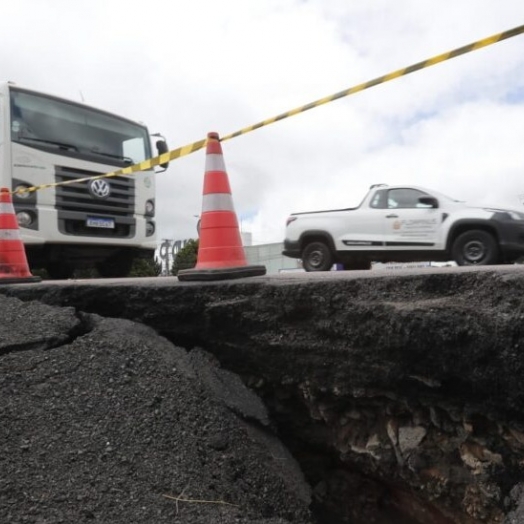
[(404, 223)]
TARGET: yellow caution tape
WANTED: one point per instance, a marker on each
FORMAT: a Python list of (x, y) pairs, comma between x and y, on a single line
[(386, 78), (142, 166), (195, 146)]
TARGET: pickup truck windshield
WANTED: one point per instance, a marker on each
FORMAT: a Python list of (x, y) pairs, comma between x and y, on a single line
[(70, 129)]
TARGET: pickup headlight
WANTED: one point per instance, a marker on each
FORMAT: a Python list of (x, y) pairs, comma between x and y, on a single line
[(516, 215), (513, 215)]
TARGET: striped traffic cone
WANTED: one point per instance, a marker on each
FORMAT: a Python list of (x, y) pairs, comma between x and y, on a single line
[(13, 262), (220, 253)]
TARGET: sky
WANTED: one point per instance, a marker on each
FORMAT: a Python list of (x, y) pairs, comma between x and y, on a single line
[(185, 68)]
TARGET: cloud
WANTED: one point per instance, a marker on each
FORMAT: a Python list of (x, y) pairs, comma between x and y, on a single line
[(187, 68)]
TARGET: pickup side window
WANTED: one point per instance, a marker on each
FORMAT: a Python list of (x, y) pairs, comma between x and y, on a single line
[(406, 198), (379, 200)]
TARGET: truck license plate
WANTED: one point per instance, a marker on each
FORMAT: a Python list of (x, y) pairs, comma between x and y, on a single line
[(107, 223)]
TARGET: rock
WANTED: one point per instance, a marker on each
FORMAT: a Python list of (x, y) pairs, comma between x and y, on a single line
[(515, 502), (410, 437)]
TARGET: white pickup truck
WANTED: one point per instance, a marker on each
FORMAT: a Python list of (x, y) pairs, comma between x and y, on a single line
[(401, 223)]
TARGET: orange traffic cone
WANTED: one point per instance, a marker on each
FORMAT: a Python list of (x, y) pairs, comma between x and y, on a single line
[(13, 262), (220, 253)]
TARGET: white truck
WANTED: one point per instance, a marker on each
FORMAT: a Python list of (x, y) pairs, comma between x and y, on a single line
[(104, 223), (404, 224)]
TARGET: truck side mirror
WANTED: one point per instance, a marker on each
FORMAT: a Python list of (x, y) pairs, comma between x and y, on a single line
[(161, 147), (428, 201)]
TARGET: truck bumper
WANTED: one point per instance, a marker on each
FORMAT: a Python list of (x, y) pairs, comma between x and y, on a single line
[(511, 240), (291, 249)]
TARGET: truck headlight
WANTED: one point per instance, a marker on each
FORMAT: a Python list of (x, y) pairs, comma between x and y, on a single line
[(24, 195), (24, 218), (150, 229), (150, 208)]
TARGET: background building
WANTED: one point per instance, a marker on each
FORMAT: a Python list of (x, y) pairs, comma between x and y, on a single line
[(270, 255)]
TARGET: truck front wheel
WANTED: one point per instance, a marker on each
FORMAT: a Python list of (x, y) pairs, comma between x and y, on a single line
[(316, 256), (475, 247)]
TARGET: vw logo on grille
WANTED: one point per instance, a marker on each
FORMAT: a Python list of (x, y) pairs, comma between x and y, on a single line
[(100, 188)]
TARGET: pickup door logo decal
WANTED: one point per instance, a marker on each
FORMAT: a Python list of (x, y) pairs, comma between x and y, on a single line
[(423, 228)]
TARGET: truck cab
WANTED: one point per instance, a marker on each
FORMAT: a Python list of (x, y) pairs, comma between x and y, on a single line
[(72, 220)]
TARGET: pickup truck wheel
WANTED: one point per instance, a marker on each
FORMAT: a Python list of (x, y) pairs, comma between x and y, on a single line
[(316, 256), (475, 247)]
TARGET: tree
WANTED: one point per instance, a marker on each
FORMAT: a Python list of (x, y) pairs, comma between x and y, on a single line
[(186, 258)]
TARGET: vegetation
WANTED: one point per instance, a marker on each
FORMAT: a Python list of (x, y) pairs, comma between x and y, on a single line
[(186, 258), (145, 268), (141, 268)]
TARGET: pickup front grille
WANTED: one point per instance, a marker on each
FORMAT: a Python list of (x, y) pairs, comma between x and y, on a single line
[(75, 203)]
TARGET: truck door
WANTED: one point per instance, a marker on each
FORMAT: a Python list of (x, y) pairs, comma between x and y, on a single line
[(412, 220)]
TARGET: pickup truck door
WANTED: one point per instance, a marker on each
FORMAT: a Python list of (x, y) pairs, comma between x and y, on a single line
[(360, 230), (412, 220)]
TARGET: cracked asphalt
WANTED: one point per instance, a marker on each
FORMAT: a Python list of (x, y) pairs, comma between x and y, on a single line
[(399, 393), (102, 420)]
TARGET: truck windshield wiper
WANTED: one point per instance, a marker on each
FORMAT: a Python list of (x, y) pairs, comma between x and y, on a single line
[(61, 145), (125, 159)]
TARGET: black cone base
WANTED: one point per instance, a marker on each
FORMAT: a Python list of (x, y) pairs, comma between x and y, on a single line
[(18, 280), (225, 273)]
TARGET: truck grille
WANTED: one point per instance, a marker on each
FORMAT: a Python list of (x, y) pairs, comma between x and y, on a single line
[(75, 203)]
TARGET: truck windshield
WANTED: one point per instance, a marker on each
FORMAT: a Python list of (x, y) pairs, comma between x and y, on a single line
[(70, 129)]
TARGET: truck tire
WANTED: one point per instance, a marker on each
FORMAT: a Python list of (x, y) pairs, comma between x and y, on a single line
[(316, 256), (475, 247)]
